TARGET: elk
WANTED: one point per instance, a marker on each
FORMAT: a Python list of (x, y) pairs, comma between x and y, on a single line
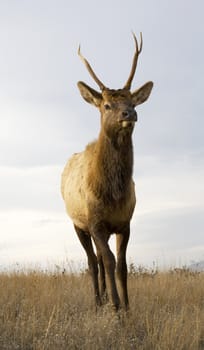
[(97, 184)]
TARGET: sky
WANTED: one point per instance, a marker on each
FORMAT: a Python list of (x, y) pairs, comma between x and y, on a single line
[(43, 120)]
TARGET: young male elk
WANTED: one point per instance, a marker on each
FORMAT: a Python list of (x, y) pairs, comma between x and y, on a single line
[(97, 184)]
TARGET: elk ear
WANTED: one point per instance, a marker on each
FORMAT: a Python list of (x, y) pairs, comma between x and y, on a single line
[(141, 95), (90, 95)]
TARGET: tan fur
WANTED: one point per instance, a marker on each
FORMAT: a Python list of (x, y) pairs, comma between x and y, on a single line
[(77, 195)]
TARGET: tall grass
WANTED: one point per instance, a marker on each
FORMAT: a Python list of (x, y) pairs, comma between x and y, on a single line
[(56, 311)]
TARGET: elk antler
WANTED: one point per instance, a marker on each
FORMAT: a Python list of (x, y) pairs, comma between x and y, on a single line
[(134, 63), (100, 84)]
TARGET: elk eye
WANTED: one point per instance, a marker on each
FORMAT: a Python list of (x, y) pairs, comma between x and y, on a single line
[(107, 106)]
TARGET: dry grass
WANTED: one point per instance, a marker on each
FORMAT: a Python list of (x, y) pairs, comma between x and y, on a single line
[(55, 311)]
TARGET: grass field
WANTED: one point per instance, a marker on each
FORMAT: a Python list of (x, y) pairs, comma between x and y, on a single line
[(56, 311)]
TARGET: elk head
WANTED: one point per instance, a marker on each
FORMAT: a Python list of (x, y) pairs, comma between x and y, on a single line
[(117, 107)]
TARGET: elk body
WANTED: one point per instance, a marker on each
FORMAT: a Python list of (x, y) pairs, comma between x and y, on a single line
[(97, 184)]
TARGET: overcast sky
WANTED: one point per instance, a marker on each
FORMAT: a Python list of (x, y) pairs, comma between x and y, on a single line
[(43, 120)]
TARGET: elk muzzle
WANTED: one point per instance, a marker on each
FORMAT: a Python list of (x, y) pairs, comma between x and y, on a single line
[(128, 118)]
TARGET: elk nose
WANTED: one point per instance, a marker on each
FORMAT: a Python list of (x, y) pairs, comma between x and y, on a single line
[(130, 115), (125, 114)]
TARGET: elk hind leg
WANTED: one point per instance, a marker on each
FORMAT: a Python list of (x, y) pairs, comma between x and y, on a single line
[(103, 292)]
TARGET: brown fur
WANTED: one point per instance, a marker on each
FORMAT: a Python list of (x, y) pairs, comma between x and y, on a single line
[(98, 189)]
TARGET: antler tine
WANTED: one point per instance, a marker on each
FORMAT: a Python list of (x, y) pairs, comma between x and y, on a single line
[(100, 84), (134, 63)]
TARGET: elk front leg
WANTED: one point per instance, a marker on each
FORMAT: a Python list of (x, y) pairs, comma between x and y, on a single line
[(121, 269), (86, 242), (101, 242)]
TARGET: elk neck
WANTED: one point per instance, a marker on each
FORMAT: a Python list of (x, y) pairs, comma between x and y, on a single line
[(112, 167)]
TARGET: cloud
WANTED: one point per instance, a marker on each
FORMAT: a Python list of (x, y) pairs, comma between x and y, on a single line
[(31, 189), (37, 135), (43, 119), (33, 237), (169, 218), (41, 109)]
